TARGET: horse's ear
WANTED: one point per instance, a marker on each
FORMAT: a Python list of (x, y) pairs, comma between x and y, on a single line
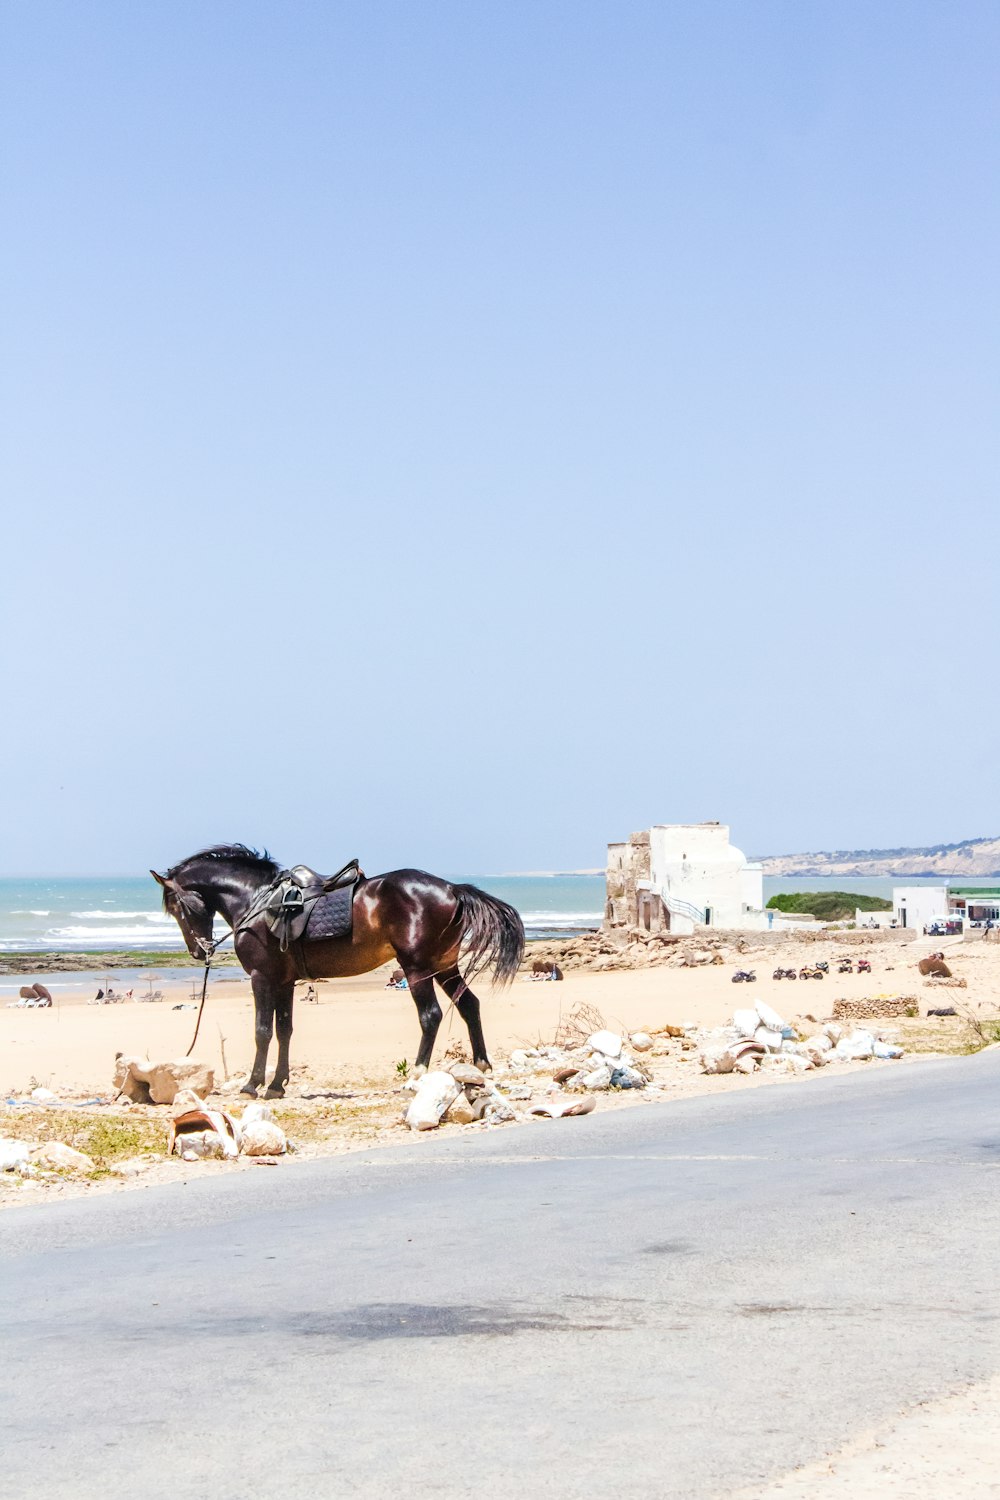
[(160, 879)]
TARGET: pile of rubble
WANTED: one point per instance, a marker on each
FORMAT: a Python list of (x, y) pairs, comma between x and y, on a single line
[(463, 1095), (760, 1038), (633, 948)]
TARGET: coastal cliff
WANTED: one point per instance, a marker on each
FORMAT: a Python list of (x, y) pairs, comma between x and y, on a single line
[(973, 857)]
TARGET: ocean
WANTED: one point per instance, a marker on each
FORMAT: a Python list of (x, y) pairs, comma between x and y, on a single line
[(91, 913)]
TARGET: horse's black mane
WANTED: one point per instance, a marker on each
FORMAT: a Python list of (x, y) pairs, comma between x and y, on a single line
[(240, 854)]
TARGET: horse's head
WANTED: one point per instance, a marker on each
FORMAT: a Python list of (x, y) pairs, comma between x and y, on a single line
[(190, 911)]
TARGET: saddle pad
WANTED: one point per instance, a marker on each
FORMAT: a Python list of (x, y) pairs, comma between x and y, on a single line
[(331, 917)]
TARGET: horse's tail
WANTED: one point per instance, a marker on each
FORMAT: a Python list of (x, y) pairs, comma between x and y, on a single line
[(492, 932)]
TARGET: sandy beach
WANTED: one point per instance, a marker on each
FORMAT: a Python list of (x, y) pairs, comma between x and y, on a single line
[(349, 1048), (359, 1029)]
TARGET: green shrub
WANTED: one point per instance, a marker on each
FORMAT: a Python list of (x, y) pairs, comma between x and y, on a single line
[(828, 906)]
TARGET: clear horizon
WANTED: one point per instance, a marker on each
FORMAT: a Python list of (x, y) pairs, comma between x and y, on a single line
[(459, 436)]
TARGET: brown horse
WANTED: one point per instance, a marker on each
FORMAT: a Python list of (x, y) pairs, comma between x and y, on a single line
[(421, 920)]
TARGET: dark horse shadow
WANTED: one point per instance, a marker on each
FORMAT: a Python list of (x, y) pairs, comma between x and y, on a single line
[(421, 920)]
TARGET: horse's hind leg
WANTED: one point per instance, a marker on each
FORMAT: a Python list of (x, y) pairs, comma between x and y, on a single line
[(467, 1005), (429, 1012), (263, 999)]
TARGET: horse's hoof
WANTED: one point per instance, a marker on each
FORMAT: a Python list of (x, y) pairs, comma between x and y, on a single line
[(273, 1093), (484, 1065), (249, 1088)]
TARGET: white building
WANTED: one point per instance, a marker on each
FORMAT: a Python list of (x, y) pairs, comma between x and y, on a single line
[(949, 907), (679, 876)]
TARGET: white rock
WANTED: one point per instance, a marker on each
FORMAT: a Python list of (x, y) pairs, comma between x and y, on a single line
[(717, 1062), (520, 1091), (886, 1049), (200, 1145), (746, 1022), (61, 1157), (461, 1111), (263, 1138), (43, 1096), (641, 1041), (518, 1058), (436, 1093), (820, 1043), (600, 1078), (607, 1042), (834, 1031), (13, 1154), (795, 1064), (857, 1047), (498, 1109), (746, 1063), (467, 1075), (256, 1111), (769, 1016)]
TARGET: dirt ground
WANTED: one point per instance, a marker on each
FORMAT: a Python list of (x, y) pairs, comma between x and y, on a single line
[(350, 1049)]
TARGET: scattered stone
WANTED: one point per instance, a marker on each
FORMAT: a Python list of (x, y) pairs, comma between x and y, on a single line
[(255, 1111), (434, 1096), (158, 1083), (641, 1041), (14, 1155), (61, 1158), (769, 1016), (462, 1111), (467, 1075), (263, 1138), (608, 1043), (599, 1078), (497, 1109), (43, 1096)]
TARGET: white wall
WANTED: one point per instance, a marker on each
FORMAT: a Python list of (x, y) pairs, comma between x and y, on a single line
[(695, 863), (914, 905)]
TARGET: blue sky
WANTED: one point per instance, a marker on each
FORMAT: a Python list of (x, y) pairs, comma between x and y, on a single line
[(460, 433)]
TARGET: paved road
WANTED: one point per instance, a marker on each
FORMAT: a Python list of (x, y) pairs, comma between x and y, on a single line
[(678, 1300)]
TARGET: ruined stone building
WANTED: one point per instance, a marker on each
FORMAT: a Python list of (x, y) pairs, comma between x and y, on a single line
[(676, 877)]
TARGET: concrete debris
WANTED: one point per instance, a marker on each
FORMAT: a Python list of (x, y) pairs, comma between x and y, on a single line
[(558, 1109), (14, 1155), (158, 1083), (608, 1043), (262, 1138), (462, 1111), (761, 1037), (197, 1134), (467, 1075), (497, 1109), (769, 1016), (61, 1158), (436, 1092)]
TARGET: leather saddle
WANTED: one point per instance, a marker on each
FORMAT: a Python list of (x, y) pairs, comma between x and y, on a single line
[(302, 903)]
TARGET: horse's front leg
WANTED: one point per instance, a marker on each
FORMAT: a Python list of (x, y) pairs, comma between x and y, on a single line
[(284, 994), (263, 1000)]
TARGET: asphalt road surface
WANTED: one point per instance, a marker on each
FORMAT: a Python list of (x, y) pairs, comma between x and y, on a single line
[(679, 1300)]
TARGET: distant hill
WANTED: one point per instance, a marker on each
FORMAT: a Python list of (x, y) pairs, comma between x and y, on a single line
[(973, 857)]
